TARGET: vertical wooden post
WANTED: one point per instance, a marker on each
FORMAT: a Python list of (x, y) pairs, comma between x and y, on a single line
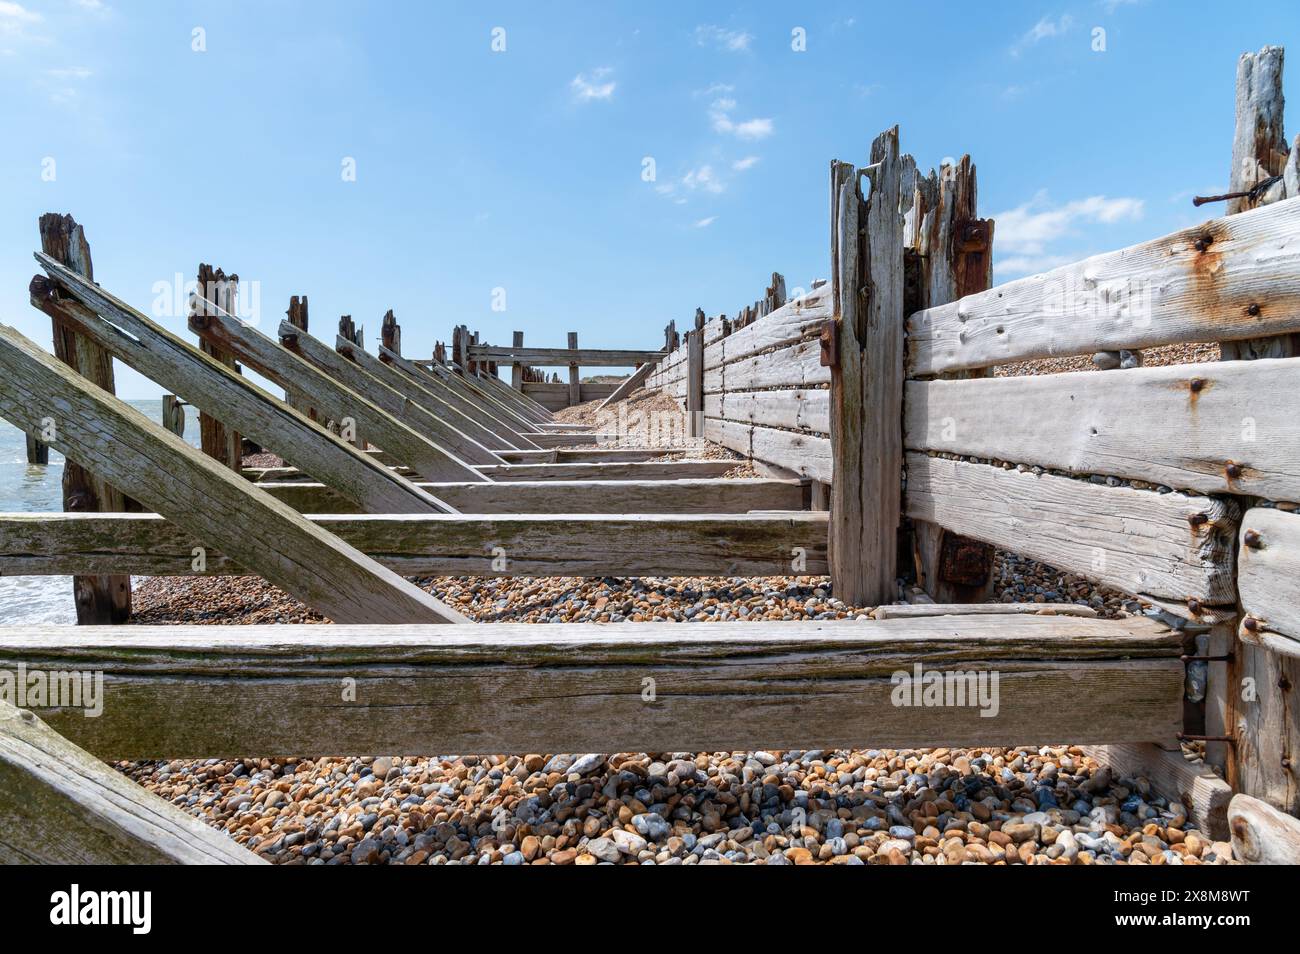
[(173, 414), (99, 599), (1263, 762), (37, 451), (575, 384), (390, 333), (298, 317), (695, 377), (1259, 152), (951, 257), (517, 368), (867, 377), (217, 291)]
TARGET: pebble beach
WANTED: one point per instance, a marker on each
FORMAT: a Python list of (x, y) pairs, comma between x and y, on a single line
[(1043, 804)]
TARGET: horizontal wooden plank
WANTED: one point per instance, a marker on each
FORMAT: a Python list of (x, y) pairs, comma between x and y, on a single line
[(639, 687), (800, 409), (915, 610), (1172, 545), (1184, 426), (59, 805), (636, 470), (679, 495), (152, 465), (793, 322), (1230, 278), (808, 455), (794, 366), (144, 544), (562, 357), (585, 455), (1268, 569)]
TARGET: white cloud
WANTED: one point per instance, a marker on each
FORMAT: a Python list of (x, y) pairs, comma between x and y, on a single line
[(749, 162), (720, 113), (733, 41), (14, 17), (705, 223), (1028, 230), (70, 73), (703, 178), (1044, 29), (94, 6), (593, 86)]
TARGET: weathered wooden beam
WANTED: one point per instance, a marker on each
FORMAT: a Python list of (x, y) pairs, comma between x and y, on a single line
[(1268, 571), (98, 599), (915, 610), (637, 470), (695, 378), (1228, 279), (1172, 546), (60, 805), (656, 687), (629, 385), (867, 379), (173, 414), (523, 405), (1227, 427), (546, 440), (214, 504), (517, 367), (443, 544), (679, 495), (439, 400), (1262, 835), (562, 357), (443, 429), (575, 379), (793, 409), (806, 454), (202, 381), (584, 455), (277, 363), (38, 452), (473, 389), (798, 320)]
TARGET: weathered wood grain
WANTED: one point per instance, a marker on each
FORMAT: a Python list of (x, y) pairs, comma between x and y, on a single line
[(99, 599), (1262, 835), (794, 366), (1268, 569), (443, 544), (800, 409), (202, 381), (60, 805), (443, 429), (529, 410), (808, 455), (210, 501), (638, 687), (915, 610), (795, 321), (584, 455), (678, 495), (1198, 284), (1197, 421), (473, 393), (867, 383), (1167, 545), (296, 375)]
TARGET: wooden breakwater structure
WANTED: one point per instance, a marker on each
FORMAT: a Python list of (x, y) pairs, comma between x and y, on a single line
[(890, 451)]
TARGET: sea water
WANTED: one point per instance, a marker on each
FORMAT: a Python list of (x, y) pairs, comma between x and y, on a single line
[(35, 488)]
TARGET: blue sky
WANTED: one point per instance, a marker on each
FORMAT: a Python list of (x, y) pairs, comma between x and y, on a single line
[(523, 169)]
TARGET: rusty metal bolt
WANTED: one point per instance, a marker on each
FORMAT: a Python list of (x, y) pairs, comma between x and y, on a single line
[(1252, 539), (1197, 384), (1251, 624), (1252, 309), (1233, 470), (1197, 519), (1194, 606), (1204, 242)]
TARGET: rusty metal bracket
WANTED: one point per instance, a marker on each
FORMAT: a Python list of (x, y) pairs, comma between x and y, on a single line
[(964, 562), (829, 339)]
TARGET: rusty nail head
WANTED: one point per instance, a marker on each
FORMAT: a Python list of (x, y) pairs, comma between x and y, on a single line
[(1252, 309), (1194, 605), (1197, 384), (1252, 539), (1251, 623), (1233, 469), (1197, 519), (829, 340)]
